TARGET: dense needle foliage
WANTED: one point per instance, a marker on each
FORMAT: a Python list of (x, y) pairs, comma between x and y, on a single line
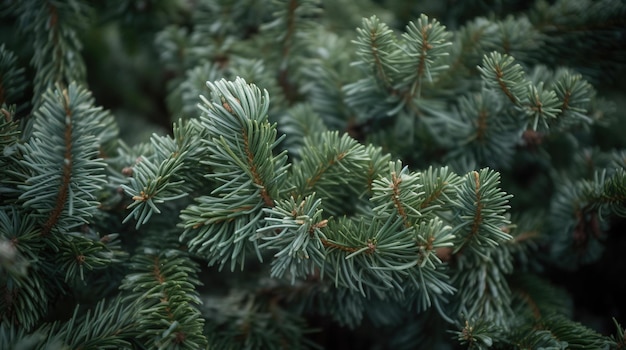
[(244, 174)]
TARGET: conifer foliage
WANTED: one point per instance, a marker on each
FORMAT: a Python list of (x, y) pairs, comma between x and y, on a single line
[(333, 174)]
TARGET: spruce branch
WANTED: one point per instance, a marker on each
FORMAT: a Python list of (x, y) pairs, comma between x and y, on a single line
[(378, 164), (9, 131), (439, 186), (425, 45), (403, 190), (547, 100), (618, 339), (361, 252), (326, 72), (162, 177), (613, 197), (580, 211), (62, 157), (575, 95), (24, 302), (108, 325), (354, 260), (499, 72), (479, 218), (486, 134), (487, 295), (294, 229), (516, 37), (574, 334), (61, 179), (54, 28), (543, 107), (329, 159), (161, 288), (479, 334), (247, 174), (293, 20), (429, 279), (377, 49)]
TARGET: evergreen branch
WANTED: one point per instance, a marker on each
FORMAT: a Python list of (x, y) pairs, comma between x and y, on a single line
[(80, 253), (479, 334), (292, 20), (242, 138), (604, 193), (516, 37), (62, 157), (579, 212), (165, 176), (575, 95), (16, 337), (429, 282), (487, 294), (248, 175), (398, 193), (576, 335), (12, 263), (326, 78), (363, 270), (350, 236), (439, 186), (161, 287), (109, 325), (618, 160), (183, 97), (467, 46), (366, 251), (613, 197), (376, 46), (499, 72), (543, 106), (537, 338), (480, 208), (330, 158), (576, 225), (22, 300), (9, 131), (221, 229), (295, 231), (258, 72), (427, 41), (54, 27)]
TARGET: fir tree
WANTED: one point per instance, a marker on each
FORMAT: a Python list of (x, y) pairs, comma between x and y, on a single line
[(241, 174)]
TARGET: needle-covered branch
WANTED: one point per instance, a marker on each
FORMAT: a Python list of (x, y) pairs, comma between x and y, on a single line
[(63, 157), (247, 175), (162, 177)]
